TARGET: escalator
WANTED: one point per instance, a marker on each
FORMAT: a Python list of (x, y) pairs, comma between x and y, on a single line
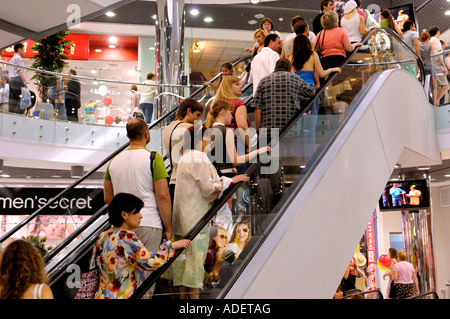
[(272, 204)]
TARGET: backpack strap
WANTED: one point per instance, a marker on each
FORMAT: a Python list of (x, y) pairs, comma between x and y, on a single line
[(152, 159)]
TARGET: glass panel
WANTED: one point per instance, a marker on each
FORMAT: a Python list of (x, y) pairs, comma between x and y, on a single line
[(293, 158)]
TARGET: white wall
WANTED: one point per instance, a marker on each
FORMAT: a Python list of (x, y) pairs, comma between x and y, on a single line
[(441, 227)]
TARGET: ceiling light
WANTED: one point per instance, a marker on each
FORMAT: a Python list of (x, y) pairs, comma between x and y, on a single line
[(447, 13), (93, 71), (194, 12), (111, 46), (423, 168), (151, 48), (110, 14), (208, 19), (98, 50), (255, 1), (154, 17), (112, 39), (252, 22), (5, 175), (447, 175)]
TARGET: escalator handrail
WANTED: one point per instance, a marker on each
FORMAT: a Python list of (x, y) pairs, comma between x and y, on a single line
[(429, 293), (97, 167), (143, 288)]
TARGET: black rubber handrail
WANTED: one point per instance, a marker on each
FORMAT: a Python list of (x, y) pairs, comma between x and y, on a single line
[(362, 293), (98, 166), (426, 294), (150, 280)]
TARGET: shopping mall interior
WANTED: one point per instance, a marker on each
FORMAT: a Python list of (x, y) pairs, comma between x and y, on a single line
[(328, 203)]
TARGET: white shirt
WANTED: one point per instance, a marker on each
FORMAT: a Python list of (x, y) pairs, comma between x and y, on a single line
[(312, 37), (12, 70), (4, 94), (130, 173), (352, 27), (263, 64), (289, 43), (147, 93)]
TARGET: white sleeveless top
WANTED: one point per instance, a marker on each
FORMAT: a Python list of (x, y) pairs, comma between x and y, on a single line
[(352, 27), (37, 293)]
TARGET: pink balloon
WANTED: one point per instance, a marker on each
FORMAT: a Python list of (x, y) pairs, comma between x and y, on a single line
[(385, 260), (109, 120), (107, 100)]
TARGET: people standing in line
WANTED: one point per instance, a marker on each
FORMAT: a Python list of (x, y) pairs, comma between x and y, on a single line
[(230, 91), (198, 185), (147, 97), (188, 112), (264, 62), (300, 27), (130, 172), (306, 63), (227, 69), (353, 22), (325, 6), (411, 37), (278, 97), (386, 20), (4, 94), (22, 272), (333, 41), (404, 277), (73, 95), (16, 79), (426, 47), (438, 64), (56, 96), (119, 253), (393, 254)]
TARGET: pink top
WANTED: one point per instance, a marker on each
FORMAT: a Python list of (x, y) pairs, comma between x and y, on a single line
[(405, 271), (333, 43)]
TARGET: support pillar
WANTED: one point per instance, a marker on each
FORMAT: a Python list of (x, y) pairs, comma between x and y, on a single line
[(169, 51), (419, 245)]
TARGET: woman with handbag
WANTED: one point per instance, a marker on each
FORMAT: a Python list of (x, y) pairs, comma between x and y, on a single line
[(333, 42), (390, 291)]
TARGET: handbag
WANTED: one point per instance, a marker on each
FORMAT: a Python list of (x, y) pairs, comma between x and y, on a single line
[(25, 99), (319, 49), (393, 291), (89, 285)]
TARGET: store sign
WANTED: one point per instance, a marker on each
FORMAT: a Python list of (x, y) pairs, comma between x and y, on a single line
[(79, 50), (371, 255), (25, 201)]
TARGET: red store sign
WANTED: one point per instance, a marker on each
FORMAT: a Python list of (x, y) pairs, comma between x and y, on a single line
[(79, 49)]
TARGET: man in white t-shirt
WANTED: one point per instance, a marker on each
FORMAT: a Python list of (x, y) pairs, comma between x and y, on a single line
[(264, 62), (16, 79), (411, 36), (147, 97), (290, 38), (130, 172)]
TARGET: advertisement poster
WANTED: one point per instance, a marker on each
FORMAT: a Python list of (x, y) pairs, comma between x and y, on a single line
[(371, 255)]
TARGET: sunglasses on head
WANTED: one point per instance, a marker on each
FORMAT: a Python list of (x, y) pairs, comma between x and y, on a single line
[(243, 229)]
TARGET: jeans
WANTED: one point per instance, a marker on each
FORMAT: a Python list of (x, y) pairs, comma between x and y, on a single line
[(147, 109)]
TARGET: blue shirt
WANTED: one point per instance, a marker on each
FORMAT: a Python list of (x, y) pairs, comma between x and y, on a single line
[(395, 192)]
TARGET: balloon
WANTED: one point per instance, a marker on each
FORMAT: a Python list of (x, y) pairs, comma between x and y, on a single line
[(102, 90), (109, 120), (107, 100), (385, 260), (379, 265)]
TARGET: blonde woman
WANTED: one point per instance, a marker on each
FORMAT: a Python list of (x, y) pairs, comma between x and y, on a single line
[(353, 22), (240, 238), (404, 277)]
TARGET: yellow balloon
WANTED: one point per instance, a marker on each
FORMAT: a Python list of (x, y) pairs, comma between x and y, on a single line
[(380, 265)]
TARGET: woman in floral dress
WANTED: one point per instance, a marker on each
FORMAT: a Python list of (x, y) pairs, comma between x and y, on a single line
[(119, 254)]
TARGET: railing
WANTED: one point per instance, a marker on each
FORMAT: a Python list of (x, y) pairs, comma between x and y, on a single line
[(426, 295), (304, 141), (37, 217), (368, 294)]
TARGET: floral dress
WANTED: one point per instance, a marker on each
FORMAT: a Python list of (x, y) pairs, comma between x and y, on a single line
[(122, 258)]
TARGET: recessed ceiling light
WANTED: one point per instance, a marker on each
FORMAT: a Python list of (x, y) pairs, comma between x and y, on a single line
[(110, 14), (5, 175), (98, 50), (151, 48), (208, 19), (252, 22), (112, 39), (447, 13), (154, 17), (111, 46), (447, 175), (255, 1), (423, 168), (194, 12), (93, 71)]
